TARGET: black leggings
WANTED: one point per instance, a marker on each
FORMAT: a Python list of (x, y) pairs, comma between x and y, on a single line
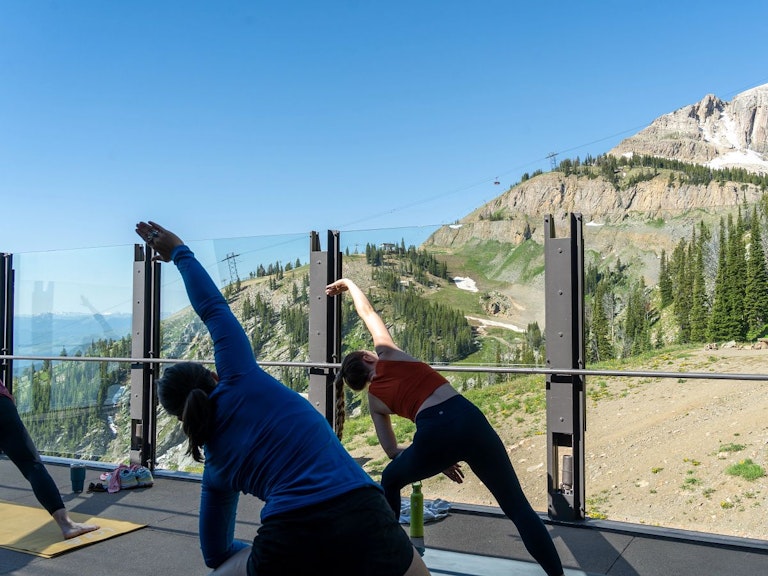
[(17, 444), (457, 431)]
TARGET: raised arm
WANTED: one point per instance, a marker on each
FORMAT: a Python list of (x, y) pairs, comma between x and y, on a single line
[(231, 346), (374, 323)]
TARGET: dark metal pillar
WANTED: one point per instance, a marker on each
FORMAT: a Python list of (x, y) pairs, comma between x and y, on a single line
[(6, 318), (145, 343), (324, 323), (566, 393)]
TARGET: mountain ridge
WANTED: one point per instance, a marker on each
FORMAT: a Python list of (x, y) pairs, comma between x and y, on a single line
[(711, 132), (707, 134)]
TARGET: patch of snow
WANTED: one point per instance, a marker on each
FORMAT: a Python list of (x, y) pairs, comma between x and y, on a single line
[(486, 322), (593, 223), (728, 139), (465, 284), (455, 226), (747, 159)]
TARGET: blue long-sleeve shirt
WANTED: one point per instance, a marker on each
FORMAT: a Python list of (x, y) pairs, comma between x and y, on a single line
[(266, 439)]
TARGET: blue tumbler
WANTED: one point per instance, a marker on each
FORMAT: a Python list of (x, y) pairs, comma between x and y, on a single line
[(77, 476)]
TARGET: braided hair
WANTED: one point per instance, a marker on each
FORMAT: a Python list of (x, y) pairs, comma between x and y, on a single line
[(184, 392), (353, 373), (340, 407)]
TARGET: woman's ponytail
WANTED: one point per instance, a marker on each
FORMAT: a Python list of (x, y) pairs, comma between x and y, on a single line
[(183, 392), (341, 407), (196, 421)]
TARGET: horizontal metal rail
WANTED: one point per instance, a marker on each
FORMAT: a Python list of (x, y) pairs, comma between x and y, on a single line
[(440, 367)]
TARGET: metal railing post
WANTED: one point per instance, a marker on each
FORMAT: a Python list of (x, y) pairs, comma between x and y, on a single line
[(566, 398), (145, 343), (6, 318), (324, 322)]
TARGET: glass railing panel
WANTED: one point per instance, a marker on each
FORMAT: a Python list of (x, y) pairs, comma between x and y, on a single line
[(449, 306), (355, 242), (70, 305), (76, 409), (683, 453)]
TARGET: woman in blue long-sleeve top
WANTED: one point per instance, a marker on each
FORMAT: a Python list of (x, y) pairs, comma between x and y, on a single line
[(322, 513)]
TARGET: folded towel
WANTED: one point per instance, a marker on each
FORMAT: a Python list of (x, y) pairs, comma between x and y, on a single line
[(433, 510)]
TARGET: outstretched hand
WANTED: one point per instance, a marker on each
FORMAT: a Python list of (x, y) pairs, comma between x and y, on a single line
[(455, 473), (162, 241), (338, 287)]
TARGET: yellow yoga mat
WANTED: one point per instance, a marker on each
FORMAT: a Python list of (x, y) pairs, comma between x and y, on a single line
[(33, 531)]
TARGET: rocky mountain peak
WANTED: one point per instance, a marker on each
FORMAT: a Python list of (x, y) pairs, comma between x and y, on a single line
[(711, 132)]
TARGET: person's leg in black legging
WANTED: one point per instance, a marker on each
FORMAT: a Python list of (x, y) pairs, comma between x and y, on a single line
[(456, 431), (490, 462), (17, 444), (429, 454)]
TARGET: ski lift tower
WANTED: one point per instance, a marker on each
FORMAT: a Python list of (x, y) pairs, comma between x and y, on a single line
[(231, 260), (552, 159)]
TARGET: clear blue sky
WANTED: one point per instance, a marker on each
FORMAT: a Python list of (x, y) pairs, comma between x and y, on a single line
[(229, 118)]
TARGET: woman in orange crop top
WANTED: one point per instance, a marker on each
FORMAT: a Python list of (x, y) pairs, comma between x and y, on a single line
[(449, 428)]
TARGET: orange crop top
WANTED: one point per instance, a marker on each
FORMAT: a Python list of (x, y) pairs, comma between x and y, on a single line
[(403, 386)]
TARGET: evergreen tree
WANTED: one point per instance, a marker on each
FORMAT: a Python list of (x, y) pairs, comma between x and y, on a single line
[(699, 317), (683, 295), (532, 348), (665, 282), (601, 348), (756, 286), (296, 322), (247, 310), (636, 327), (591, 278), (735, 281), (717, 330)]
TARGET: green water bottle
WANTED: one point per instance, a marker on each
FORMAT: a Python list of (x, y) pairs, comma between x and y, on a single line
[(417, 518)]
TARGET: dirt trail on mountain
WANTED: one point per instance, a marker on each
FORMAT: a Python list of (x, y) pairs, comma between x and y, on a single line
[(657, 450)]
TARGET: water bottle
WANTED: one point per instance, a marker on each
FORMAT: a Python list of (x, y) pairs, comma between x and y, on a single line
[(417, 518), (77, 476)]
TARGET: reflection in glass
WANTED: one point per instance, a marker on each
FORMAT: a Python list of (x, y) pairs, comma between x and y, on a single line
[(73, 304)]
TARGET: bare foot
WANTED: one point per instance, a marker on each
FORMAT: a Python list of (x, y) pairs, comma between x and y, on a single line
[(76, 529), (69, 528)]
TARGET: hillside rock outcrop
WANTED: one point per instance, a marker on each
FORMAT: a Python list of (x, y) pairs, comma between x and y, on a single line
[(519, 212)]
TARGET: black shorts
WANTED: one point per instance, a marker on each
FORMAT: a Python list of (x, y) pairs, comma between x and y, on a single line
[(353, 534)]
